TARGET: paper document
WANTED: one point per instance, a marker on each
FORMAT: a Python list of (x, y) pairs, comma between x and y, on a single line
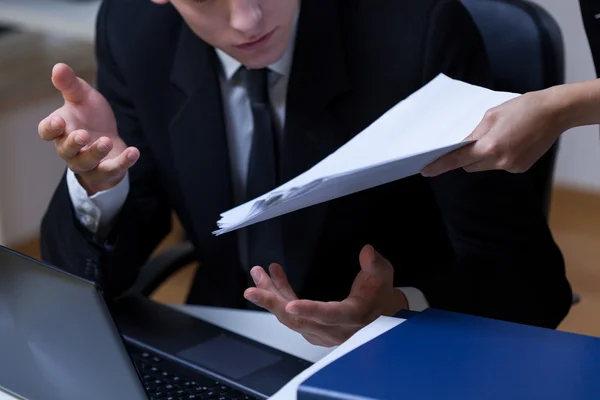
[(426, 125), (369, 332), (6, 396)]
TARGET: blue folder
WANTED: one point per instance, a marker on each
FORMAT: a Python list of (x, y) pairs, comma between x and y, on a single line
[(442, 355)]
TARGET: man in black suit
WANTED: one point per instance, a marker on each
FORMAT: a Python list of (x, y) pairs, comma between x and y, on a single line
[(191, 132)]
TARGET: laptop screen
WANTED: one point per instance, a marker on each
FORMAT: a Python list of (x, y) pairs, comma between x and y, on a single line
[(57, 339)]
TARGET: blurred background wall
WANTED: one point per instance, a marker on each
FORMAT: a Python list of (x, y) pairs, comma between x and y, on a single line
[(578, 164), (29, 167)]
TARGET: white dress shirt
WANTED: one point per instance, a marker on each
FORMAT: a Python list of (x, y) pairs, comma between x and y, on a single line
[(97, 212)]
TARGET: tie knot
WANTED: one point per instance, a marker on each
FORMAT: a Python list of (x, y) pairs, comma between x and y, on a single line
[(256, 83)]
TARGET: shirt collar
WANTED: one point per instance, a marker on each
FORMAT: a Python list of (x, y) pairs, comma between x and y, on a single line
[(281, 66)]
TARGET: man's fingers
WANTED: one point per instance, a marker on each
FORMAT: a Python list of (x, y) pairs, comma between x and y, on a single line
[(51, 128), (118, 165), (316, 340), (347, 312), (69, 148), (111, 171), (267, 300), (374, 263), (334, 337), (368, 259), (89, 158), (73, 89), (281, 282), (276, 305), (263, 281)]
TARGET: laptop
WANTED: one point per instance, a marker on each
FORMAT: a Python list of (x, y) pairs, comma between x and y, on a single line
[(60, 339)]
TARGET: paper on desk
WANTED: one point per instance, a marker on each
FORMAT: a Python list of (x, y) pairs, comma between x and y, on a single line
[(426, 125), (369, 332)]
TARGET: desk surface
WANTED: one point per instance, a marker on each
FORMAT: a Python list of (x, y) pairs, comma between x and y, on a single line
[(260, 326), (76, 19), (257, 325)]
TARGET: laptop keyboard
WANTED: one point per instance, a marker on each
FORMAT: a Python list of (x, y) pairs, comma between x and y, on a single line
[(165, 380)]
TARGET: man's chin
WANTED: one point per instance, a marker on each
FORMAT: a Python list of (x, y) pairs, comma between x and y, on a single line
[(256, 61)]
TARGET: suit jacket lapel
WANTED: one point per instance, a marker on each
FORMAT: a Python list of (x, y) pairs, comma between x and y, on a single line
[(313, 131), (200, 155), (200, 152)]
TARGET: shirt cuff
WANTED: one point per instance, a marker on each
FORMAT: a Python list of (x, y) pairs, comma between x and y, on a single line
[(416, 299), (97, 212)]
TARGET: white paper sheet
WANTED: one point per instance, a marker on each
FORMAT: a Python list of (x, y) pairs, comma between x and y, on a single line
[(426, 125), (7, 396), (376, 328)]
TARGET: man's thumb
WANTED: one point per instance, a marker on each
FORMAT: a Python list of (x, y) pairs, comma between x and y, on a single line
[(72, 88), (371, 261)]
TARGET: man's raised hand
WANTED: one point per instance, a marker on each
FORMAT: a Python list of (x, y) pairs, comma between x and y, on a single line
[(84, 131)]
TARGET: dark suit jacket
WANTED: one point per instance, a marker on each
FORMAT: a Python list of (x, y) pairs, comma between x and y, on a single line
[(589, 10), (474, 243)]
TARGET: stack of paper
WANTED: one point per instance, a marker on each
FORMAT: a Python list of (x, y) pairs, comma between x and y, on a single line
[(426, 125)]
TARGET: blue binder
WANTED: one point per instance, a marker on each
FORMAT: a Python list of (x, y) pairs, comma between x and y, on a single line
[(443, 355)]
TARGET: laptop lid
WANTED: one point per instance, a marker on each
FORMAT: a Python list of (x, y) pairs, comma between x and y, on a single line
[(57, 338)]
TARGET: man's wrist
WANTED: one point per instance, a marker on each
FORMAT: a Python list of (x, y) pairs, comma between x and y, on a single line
[(97, 212), (94, 188)]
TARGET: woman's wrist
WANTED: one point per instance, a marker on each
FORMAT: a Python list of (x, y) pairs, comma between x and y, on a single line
[(576, 104)]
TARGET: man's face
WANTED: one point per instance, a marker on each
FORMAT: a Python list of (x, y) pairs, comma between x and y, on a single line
[(254, 32)]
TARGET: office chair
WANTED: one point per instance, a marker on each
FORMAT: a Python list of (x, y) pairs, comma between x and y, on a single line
[(525, 47), (526, 52)]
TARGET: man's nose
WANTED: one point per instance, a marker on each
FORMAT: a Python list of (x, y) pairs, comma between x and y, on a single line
[(245, 15)]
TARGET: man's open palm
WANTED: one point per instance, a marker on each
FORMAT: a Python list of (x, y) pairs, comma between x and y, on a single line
[(84, 130), (330, 323)]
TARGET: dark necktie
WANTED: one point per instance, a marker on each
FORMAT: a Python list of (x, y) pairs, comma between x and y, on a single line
[(264, 238)]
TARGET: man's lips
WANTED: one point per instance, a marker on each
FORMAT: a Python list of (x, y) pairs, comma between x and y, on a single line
[(256, 43)]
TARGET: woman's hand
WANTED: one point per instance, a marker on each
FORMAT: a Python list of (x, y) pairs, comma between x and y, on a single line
[(510, 137)]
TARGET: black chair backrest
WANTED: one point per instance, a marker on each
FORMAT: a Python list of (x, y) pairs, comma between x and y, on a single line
[(526, 52), (523, 41)]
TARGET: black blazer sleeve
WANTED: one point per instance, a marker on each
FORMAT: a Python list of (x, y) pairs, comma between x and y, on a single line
[(145, 217), (507, 265)]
